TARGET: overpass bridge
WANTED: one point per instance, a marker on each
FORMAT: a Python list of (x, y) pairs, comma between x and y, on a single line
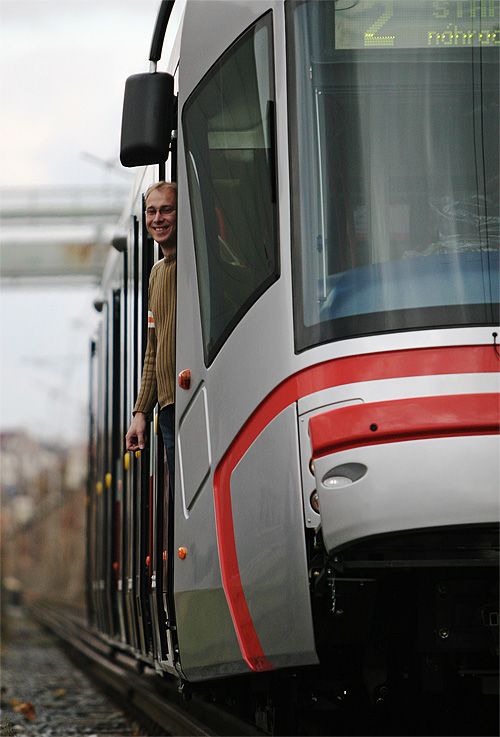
[(59, 234)]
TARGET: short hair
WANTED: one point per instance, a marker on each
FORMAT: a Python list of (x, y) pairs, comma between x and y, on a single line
[(161, 185)]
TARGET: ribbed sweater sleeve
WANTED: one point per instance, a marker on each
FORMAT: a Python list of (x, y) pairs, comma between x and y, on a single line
[(158, 374)]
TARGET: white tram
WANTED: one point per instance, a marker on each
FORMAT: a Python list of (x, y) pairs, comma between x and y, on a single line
[(337, 473)]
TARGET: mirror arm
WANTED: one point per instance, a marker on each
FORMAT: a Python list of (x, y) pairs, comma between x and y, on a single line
[(162, 19)]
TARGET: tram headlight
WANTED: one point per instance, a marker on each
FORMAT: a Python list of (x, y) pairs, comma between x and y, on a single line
[(335, 482), (343, 475)]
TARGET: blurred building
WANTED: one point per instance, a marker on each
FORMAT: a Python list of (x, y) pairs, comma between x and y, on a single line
[(43, 497)]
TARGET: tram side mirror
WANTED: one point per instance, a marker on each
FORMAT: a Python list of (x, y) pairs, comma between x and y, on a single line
[(147, 119), (119, 243)]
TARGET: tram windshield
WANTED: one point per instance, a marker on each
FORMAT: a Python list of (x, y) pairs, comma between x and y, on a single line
[(394, 120)]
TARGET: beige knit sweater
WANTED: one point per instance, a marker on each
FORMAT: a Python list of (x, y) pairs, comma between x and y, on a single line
[(158, 373)]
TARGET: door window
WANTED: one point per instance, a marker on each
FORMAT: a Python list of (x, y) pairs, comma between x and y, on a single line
[(229, 125)]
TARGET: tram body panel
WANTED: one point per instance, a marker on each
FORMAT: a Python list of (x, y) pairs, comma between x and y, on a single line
[(233, 388), (387, 390), (419, 484), (270, 547), (207, 640)]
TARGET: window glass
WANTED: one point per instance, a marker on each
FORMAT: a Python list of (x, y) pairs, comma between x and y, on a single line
[(228, 125), (394, 117)]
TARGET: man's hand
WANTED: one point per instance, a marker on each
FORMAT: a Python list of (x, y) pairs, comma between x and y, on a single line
[(135, 438)]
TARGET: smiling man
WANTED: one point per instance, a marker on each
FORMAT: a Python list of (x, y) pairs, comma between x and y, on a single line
[(158, 374)]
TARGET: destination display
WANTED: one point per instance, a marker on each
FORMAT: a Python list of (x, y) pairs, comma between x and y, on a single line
[(392, 24)]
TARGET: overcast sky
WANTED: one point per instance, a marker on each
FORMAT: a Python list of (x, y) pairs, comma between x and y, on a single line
[(63, 66)]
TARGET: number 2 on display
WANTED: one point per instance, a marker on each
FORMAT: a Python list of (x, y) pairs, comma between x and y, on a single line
[(372, 34)]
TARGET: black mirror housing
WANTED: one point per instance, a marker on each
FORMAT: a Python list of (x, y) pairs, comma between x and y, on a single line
[(147, 120)]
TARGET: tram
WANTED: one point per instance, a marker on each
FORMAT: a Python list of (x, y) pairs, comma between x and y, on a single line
[(336, 506)]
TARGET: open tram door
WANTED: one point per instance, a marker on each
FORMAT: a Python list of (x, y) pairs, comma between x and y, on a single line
[(147, 124)]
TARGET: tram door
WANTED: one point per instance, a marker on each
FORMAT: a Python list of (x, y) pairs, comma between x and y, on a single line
[(90, 569), (237, 340), (227, 213), (119, 469), (161, 502), (144, 470), (130, 483), (113, 480)]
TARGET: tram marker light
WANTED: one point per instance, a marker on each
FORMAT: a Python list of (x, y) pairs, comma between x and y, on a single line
[(184, 379), (314, 501)]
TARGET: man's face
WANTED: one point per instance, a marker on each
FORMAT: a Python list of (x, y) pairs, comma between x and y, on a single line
[(161, 217)]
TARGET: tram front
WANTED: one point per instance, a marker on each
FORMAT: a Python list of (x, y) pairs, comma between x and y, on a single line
[(394, 112)]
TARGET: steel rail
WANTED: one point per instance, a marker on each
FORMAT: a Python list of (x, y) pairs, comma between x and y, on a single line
[(135, 685)]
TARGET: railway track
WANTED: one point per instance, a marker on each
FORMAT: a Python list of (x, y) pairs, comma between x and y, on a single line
[(154, 699)]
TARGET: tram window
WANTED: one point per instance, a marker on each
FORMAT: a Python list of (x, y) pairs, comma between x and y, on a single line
[(228, 127), (394, 135)]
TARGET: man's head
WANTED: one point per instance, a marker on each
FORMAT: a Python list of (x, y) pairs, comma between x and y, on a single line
[(161, 215)]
